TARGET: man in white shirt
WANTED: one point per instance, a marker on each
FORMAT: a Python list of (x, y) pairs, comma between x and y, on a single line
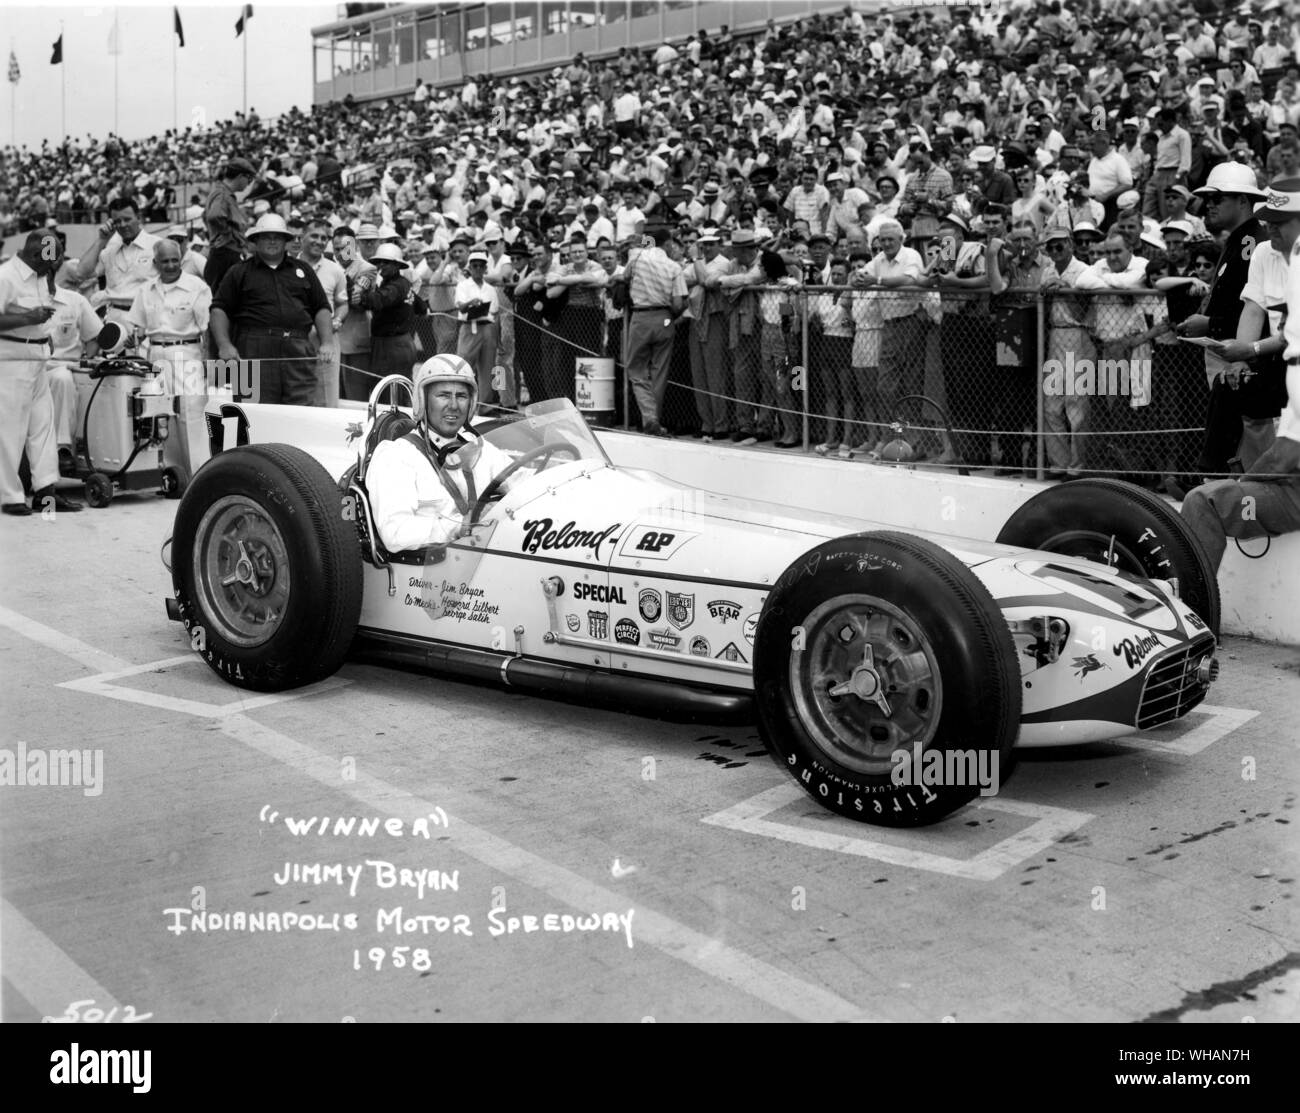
[(123, 255), (26, 409), (423, 486), (902, 339), (477, 310), (73, 331), (334, 281), (1109, 173), (171, 313), (1271, 487), (1065, 411)]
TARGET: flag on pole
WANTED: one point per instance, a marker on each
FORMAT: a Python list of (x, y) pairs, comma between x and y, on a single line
[(244, 17), (56, 58), (114, 45), (14, 72), (176, 25)]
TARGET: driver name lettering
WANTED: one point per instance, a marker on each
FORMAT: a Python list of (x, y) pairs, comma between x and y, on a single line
[(1136, 651), (462, 602), (540, 534)]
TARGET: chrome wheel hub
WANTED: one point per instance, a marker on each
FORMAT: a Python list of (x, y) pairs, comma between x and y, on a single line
[(865, 682), (241, 570)]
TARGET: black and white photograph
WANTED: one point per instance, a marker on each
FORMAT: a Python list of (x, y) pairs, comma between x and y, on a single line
[(599, 511)]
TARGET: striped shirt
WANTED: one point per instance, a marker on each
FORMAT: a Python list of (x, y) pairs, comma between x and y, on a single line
[(656, 279)]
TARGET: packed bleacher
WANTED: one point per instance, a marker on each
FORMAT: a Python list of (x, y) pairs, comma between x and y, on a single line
[(921, 191)]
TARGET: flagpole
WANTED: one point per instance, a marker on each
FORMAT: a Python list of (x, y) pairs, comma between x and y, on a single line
[(117, 51), (245, 38), (63, 88), (175, 124)]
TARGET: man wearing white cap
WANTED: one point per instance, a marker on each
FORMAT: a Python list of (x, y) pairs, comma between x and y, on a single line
[(477, 309), (264, 311), (1216, 511), (1230, 194)]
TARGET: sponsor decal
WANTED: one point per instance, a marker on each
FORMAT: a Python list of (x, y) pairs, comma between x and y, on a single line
[(653, 543), (353, 431), (729, 652), (751, 625), (598, 624), (541, 534), (627, 632), (598, 593), (665, 639), (1085, 665), (681, 609), (699, 646), (650, 604), (1137, 650), (574, 623), (1194, 621), (724, 610)]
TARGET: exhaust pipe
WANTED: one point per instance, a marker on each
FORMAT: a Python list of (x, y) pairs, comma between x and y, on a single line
[(662, 699)]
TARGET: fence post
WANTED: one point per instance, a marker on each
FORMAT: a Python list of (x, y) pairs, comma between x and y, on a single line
[(627, 404), (803, 331), (1041, 345)]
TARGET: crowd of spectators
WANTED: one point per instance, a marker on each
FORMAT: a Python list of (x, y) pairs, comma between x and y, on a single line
[(987, 155)]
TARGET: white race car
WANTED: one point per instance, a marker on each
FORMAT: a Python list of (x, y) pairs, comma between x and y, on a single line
[(868, 656)]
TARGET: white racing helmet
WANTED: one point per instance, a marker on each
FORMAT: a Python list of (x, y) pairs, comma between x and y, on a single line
[(440, 369)]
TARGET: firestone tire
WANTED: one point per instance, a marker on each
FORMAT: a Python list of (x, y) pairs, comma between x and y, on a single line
[(1151, 540), (266, 570), (941, 655)]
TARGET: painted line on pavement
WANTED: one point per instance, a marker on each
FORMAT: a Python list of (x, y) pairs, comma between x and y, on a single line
[(1219, 722), (733, 967), (41, 971), (1050, 825)]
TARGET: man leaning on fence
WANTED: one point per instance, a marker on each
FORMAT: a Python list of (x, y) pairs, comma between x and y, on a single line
[(657, 292)]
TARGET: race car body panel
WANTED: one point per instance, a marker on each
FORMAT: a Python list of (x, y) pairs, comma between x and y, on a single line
[(626, 573)]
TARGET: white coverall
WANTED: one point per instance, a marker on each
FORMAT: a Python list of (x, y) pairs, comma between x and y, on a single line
[(411, 506), (26, 408)]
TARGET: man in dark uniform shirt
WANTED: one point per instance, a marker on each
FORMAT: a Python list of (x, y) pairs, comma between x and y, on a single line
[(269, 303), (1230, 195), (392, 314)]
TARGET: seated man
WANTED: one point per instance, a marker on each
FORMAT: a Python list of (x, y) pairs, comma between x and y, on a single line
[(422, 486)]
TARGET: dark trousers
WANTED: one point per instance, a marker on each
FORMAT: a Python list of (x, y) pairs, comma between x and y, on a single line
[(354, 383), (528, 356), (288, 372), (391, 355), (220, 260)]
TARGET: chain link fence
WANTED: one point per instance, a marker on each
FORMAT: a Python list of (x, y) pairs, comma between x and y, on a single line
[(1064, 382)]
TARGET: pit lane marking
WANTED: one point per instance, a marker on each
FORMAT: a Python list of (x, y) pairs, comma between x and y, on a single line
[(1221, 722), (41, 971), (784, 992), (1051, 824), (100, 685)]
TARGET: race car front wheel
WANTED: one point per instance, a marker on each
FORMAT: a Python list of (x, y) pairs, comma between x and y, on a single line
[(886, 680), (1125, 526), (266, 569)]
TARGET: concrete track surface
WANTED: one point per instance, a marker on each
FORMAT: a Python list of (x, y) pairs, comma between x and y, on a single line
[(1149, 878)]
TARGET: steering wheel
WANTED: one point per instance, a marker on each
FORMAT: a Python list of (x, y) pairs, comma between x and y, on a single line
[(492, 492)]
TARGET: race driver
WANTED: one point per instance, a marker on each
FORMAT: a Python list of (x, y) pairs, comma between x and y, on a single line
[(422, 486)]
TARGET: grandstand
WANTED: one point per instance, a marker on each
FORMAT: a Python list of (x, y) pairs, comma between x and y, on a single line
[(382, 53)]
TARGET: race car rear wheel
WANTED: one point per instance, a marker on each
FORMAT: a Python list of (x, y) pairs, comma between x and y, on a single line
[(266, 569), (1081, 518), (886, 679)]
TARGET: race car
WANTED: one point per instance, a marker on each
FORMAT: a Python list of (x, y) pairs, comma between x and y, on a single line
[(867, 656)]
